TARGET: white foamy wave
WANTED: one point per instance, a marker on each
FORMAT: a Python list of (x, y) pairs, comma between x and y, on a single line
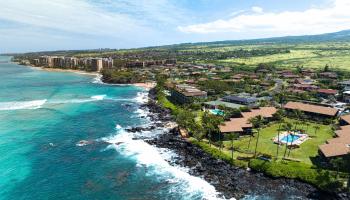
[(99, 97), (97, 79), (142, 97), (117, 127), (91, 99), (155, 160), (22, 105)]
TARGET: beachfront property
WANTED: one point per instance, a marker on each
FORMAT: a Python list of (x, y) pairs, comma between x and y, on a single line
[(293, 138), (89, 64), (312, 111), (184, 93), (339, 146), (246, 101), (216, 104), (242, 125)]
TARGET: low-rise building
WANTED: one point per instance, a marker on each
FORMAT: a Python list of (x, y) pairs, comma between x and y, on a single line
[(327, 93), (345, 85), (242, 125), (247, 101), (345, 120), (186, 94), (346, 96), (339, 146), (312, 111)]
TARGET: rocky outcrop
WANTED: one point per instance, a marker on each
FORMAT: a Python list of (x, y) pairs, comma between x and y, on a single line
[(231, 181)]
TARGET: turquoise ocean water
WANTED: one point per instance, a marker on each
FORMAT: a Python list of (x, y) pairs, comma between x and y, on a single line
[(44, 115)]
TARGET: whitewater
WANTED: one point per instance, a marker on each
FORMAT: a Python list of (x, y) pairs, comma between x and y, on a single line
[(63, 136)]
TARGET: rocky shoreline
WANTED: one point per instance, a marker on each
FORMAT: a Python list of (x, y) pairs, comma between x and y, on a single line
[(230, 181)]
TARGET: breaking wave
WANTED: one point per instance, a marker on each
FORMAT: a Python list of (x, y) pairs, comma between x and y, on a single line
[(155, 160), (22, 105), (97, 79)]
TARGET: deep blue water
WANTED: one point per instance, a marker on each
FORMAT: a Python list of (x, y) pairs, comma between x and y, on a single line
[(43, 115)]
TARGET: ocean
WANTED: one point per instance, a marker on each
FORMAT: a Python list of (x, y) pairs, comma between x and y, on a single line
[(44, 116)]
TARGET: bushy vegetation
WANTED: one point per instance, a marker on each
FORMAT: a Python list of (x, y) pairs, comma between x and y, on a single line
[(322, 179), (121, 76), (216, 153)]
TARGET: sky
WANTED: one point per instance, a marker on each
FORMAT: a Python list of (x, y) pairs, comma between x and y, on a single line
[(40, 25)]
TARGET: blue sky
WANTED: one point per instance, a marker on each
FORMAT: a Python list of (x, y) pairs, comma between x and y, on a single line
[(37, 25)]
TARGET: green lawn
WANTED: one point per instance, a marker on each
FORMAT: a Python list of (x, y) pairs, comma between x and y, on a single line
[(306, 151)]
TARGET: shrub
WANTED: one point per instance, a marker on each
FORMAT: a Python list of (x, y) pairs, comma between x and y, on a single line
[(322, 179), (218, 154)]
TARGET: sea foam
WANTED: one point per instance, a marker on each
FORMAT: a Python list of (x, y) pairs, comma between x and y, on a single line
[(155, 160), (22, 105)]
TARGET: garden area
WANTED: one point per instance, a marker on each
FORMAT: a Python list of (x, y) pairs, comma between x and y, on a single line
[(318, 134)]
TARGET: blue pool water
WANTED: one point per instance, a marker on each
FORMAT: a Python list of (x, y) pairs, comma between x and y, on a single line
[(290, 138), (217, 112)]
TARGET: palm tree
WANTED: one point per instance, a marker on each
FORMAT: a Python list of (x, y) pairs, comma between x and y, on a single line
[(297, 114), (317, 128), (257, 122), (278, 137), (211, 124), (232, 137), (288, 128)]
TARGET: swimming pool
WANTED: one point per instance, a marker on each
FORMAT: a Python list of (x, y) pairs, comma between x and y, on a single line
[(290, 138), (216, 112)]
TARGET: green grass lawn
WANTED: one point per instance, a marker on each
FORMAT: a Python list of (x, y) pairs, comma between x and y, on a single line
[(307, 150)]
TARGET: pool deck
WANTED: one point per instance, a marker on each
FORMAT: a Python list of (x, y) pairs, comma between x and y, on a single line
[(302, 138)]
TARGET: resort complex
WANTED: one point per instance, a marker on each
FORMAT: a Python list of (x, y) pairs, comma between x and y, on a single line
[(289, 121)]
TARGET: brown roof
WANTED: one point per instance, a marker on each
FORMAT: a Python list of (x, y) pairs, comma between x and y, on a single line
[(237, 124), (332, 150), (263, 111), (342, 133), (346, 118), (311, 108), (345, 128), (337, 146), (327, 91), (344, 139)]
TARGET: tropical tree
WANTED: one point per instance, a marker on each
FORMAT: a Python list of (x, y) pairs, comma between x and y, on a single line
[(232, 137), (185, 119), (317, 128), (288, 127), (278, 136), (337, 164), (198, 132), (211, 125), (257, 122)]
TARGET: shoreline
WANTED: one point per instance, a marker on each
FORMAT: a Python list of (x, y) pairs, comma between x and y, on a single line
[(230, 181), (146, 86)]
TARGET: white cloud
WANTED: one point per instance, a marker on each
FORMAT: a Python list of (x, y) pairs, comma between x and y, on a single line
[(79, 24), (72, 16), (335, 17), (257, 9)]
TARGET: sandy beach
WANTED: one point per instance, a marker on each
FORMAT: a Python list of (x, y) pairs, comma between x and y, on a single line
[(148, 85), (67, 70)]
